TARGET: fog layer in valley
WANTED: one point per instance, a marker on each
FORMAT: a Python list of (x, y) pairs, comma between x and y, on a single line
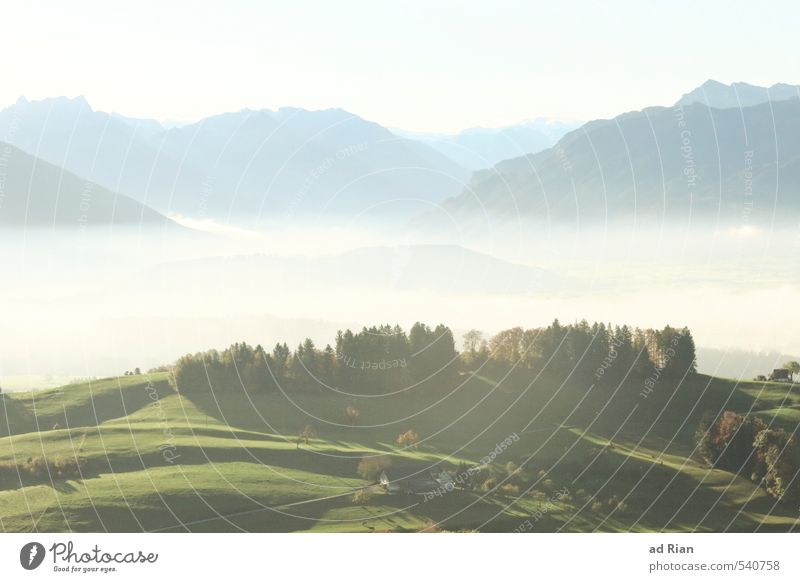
[(100, 302)]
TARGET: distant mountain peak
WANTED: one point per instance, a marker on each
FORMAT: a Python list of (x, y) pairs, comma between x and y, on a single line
[(718, 95), (79, 101), (61, 102)]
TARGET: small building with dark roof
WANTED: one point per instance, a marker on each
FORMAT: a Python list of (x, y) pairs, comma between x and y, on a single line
[(780, 375)]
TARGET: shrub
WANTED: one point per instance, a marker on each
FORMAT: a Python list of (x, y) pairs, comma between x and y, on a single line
[(778, 463), (408, 439), (41, 470), (510, 489), (309, 432), (744, 444), (538, 495), (489, 484), (62, 468), (362, 496), (728, 442)]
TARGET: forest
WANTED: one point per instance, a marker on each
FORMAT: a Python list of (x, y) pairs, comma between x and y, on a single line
[(386, 359)]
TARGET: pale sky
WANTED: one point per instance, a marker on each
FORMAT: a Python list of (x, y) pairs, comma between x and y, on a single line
[(416, 65)]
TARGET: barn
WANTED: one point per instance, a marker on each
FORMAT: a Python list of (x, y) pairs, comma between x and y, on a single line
[(780, 375)]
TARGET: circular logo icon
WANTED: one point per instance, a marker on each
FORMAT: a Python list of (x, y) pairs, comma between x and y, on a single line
[(31, 555)]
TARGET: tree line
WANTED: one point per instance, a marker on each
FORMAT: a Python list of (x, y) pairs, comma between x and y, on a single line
[(594, 352), (376, 360), (385, 359)]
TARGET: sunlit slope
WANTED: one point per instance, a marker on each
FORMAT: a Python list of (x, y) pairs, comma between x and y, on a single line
[(583, 459)]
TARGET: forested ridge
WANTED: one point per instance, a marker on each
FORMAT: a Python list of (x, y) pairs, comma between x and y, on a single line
[(384, 359)]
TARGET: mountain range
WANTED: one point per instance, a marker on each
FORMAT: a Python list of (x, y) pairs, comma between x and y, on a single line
[(688, 162), (727, 153), (721, 96), (245, 164)]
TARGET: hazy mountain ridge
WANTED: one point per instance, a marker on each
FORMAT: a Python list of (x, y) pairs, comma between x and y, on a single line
[(34, 192), (736, 95), (113, 151), (246, 163), (684, 163), (297, 161), (445, 268)]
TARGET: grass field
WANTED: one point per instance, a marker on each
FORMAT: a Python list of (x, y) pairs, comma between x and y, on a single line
[(586, 459)]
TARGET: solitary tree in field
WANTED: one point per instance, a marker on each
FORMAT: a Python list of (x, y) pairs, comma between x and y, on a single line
[(307, 433), (352, 413), (793, 366), (409, 439)]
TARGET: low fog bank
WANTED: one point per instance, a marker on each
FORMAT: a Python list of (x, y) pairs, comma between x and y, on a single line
[(96, 304)]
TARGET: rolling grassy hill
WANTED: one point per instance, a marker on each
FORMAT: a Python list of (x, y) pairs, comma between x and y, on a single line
[(584, 459)]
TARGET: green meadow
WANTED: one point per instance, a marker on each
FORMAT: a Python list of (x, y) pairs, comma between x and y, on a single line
[(582, 459)]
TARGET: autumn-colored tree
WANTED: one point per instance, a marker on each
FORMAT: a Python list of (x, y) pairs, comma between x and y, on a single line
[(767, 456), (778, 463), (727, 443), (507, 346), (409, 439)]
